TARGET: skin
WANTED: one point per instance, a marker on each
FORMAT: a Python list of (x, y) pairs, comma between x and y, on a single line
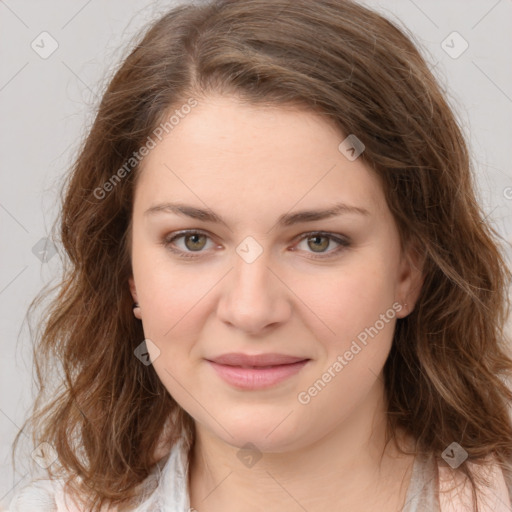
[(251, 164)]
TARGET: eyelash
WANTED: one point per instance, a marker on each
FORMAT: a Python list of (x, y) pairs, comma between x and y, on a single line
[(344, 243)]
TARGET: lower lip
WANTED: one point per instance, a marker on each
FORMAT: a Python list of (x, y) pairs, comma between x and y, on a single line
[(257, 378)]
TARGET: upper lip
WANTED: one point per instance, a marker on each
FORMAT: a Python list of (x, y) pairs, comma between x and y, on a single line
[(238, 359)]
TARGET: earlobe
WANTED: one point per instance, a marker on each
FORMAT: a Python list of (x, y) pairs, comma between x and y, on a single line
[(411, 280), (136, 311), (133, 291)]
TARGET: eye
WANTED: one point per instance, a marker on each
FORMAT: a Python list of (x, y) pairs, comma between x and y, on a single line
[(195, 241), (318, 241)]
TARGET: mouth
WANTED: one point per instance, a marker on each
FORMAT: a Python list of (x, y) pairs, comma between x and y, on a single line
[(254, 372)]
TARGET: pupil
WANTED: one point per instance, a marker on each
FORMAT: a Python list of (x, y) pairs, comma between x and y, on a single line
[(195, 242), (316, 238)]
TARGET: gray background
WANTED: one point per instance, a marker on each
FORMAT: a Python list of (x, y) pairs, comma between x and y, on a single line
[(46, 105)]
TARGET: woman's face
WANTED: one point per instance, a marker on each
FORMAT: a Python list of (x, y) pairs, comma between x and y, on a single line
[(262, 280)]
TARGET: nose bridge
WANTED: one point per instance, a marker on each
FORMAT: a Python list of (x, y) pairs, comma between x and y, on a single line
[(252, 277), (254, 296), (251, 272)]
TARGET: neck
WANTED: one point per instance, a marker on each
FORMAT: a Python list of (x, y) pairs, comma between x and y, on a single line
[(352, 466)]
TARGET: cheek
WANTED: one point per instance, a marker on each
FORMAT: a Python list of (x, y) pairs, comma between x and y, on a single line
[(170, 293), (348, 299), (356, 343)]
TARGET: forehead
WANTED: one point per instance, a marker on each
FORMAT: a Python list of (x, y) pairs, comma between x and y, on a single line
[(268, 157)]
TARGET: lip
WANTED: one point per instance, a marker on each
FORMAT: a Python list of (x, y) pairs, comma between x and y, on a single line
[(259, 371)]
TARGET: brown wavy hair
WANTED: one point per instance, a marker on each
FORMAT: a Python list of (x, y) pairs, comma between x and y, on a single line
[(110, 419)]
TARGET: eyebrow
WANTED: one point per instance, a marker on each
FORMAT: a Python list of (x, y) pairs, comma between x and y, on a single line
[(287, 219)]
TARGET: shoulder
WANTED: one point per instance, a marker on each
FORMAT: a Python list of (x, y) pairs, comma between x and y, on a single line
[(44, 494), (37, 495), (455, 492), (166, 484)]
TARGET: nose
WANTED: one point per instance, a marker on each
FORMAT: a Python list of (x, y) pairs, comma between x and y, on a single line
[(254, 298)]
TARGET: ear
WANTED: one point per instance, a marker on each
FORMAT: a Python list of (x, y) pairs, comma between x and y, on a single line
[(133, 291), (410, 278)]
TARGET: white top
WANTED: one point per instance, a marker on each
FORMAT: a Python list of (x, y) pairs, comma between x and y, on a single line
[(170, 491), (171, 494)]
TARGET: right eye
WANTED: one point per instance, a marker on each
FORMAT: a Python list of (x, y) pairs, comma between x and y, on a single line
[(194, 241)]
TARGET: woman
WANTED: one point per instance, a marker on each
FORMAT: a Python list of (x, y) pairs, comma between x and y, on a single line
[(281, 293)]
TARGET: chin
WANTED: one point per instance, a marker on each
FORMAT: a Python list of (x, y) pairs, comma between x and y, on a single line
[(265, 433)]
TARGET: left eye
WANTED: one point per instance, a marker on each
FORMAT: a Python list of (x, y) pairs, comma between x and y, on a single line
[(195, 242), (321, 241)]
